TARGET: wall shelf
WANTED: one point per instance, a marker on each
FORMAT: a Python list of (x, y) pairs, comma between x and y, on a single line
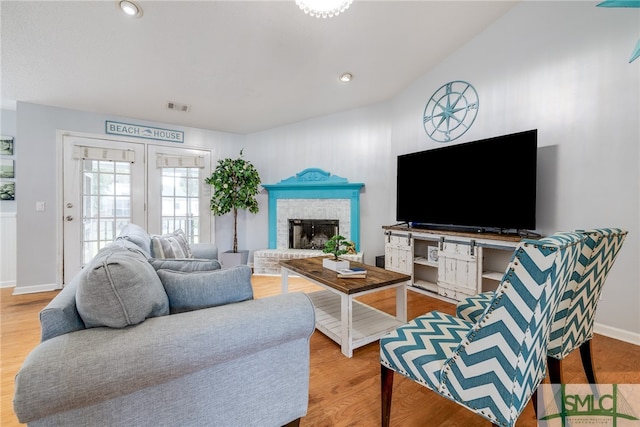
[(492, 275), (424, 261)]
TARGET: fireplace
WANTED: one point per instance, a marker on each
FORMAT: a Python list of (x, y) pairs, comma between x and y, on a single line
[(309, 195), (311, 233), (305, 211)]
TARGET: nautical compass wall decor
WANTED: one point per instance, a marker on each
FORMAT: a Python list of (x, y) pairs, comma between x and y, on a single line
[(451, 111)]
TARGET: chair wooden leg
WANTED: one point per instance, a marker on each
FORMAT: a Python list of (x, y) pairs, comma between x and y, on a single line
[(294, 423), (386, 390), (587, 362), (554, 366), (534, 402)]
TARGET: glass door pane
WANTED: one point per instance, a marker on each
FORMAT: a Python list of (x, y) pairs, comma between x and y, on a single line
[(106, 201), (180, 201), (104, 189), (178, 197)]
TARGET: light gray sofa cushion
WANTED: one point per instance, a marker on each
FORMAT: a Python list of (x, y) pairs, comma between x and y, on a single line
[(185, 264), (204, 250), (119, 288), (138, 235), (61, 316), (128, 244), (203, 289)]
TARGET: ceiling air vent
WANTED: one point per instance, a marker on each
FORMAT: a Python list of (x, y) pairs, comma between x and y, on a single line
[(178, 107)]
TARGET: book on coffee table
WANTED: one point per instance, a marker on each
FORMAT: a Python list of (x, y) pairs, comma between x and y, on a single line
[(352, 273)]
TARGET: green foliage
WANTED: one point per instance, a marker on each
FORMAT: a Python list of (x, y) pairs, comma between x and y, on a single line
[(235, 184), (337, 245)]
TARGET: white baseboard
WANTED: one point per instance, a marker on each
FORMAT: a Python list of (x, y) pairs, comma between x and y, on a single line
[(21, 290), (616, 333), (8, 284)]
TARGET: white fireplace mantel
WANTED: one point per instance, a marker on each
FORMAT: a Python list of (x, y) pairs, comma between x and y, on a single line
[(314, 183)]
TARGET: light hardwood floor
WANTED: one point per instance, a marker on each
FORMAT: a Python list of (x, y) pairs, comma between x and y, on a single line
[(343, 392)]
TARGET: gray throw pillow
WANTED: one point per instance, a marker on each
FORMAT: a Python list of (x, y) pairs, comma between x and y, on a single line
[(119, 288), (128, 244), (202, 289), (137, 235), (186, 265), (172, 245)]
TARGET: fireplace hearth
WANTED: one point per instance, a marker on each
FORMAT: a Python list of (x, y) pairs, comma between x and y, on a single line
[(311, 233)]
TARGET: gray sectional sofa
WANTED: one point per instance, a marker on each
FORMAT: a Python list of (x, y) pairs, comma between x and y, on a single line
[(139, 341)]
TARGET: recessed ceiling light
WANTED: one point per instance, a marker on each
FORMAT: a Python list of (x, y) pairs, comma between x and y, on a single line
[(346, 77), (131, 8)]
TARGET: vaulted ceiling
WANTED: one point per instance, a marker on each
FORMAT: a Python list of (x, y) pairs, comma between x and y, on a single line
[(241, 66)]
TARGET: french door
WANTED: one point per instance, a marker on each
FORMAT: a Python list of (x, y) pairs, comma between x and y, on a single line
[(110, 183), (177, 195)]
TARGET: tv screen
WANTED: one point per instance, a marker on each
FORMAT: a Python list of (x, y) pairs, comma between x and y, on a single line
[(487, 185)]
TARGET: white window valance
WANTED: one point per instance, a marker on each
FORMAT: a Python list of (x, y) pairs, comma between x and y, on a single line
[(107, 154), (178, 161)]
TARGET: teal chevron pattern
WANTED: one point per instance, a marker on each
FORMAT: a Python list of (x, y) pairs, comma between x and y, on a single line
[(491, 366), (433, 337), (471, 308), (574, 320)]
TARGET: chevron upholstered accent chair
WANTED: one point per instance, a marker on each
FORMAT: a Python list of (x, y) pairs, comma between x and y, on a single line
[(492, 366), (572, 327)]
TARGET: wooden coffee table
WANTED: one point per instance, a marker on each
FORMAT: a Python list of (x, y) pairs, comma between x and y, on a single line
[(339, 316)]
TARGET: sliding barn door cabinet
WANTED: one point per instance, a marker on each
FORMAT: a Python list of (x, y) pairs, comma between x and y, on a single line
[(447, 264)]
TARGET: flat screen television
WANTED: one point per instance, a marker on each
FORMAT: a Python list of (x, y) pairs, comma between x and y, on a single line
[(487, 185)]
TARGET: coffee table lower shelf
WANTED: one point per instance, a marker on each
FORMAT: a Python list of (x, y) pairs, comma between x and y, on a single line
[(368, 323)]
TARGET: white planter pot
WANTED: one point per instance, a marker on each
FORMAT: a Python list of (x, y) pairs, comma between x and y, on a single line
[(230, 259), (334, 265)]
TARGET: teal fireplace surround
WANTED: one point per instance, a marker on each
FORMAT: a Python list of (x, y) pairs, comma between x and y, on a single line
[(314, 183)]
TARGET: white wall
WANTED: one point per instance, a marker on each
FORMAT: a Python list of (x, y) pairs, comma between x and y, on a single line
[(560, 67), (355, 145), (38, 176)]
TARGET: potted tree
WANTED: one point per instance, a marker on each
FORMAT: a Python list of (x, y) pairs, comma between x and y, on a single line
[(235, 185), (336, 246)]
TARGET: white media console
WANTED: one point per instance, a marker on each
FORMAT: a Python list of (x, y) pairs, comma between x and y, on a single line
[(447, 264)]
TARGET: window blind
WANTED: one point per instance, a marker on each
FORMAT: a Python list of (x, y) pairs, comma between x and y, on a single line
[(108, 154), (179, 161)]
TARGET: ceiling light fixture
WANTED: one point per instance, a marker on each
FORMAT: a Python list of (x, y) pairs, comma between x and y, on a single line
[(131, 8), (323, 8), (346, 77)]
